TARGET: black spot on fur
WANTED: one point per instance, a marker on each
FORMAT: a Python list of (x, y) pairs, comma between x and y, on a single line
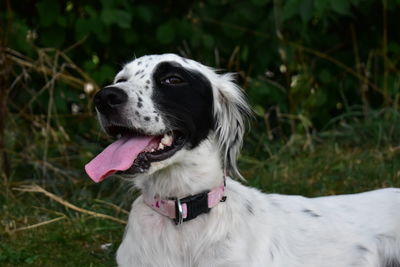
[(311, 213), (146, 87), (148, 81), (362, 248), (140, 92), (274, 203), (141, 77), (249, 208), (187, 105), (156, 118), (137, 73), (392, 263), (137, 113), (139, 105), (147, 118), (139, 63), (140, 99)]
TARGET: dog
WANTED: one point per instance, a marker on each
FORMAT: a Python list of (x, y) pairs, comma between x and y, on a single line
[(179, 127)]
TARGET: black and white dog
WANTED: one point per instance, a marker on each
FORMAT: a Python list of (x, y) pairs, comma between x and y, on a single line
[(179, 127)]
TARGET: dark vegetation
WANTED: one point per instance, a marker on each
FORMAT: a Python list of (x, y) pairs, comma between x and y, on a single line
[(322, 77)]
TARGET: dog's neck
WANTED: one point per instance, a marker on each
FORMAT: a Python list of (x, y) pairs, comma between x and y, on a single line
[(188, 172)]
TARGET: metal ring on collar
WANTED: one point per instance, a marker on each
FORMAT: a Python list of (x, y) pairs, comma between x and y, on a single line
[(180, 211)]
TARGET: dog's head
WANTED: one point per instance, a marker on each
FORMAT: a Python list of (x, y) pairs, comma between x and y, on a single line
[(160, 105)]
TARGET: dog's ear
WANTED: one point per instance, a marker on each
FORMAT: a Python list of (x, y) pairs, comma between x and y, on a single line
[(230, 112)]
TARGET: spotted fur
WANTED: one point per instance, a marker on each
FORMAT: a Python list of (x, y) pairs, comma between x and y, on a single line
[(250, 228)]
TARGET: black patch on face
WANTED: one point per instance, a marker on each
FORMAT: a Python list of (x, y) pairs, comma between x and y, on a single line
[(311, 213), (186, 105), (146, 118)]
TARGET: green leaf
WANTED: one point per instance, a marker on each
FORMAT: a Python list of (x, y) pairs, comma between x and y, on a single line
[(18, 38), (107, 16), (131, 37), (306, 10), (208, 41), (104, 74), (325, 76), (291, 9), (116, 16), (107, 4), (144, 13), (165, 33), (123, 18), (259, 2), (91, 11), (321, 6), (84, 27), (48, 12), (341, 6), (245, 53), (62, 21), (259, 110)]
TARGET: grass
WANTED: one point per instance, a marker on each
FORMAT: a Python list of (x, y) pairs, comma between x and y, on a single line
[(354, 154), (76, 240)]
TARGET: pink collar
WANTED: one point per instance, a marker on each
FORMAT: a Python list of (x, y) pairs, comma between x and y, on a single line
[(185, 209)]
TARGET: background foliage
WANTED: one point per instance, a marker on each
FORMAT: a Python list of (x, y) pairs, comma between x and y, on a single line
[(322, 77)]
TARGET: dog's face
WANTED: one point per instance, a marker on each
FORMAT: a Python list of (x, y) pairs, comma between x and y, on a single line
[(160, 105)]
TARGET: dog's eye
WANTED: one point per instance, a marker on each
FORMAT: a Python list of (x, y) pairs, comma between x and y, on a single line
[(121, 80), (172, 80)]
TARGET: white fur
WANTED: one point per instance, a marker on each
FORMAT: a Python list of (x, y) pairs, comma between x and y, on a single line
[(250, 228)]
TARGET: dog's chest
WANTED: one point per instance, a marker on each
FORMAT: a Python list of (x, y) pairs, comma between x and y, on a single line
[(153, 240)]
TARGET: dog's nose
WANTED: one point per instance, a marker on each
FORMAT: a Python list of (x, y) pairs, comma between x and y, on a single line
[(109, 99)]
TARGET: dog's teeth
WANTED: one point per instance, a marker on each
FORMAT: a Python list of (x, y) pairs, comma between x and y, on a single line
[(166, 140), (152, 150), (160, 146)]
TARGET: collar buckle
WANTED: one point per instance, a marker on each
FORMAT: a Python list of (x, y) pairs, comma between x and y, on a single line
[(195, 205)]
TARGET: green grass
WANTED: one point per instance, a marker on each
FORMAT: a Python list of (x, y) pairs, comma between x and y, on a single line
[(352, 155), (74, 241)]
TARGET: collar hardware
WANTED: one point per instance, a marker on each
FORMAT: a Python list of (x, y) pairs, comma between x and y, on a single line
[(195, 205)]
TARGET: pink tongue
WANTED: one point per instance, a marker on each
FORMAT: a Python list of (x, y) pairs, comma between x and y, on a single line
[(118, 156)]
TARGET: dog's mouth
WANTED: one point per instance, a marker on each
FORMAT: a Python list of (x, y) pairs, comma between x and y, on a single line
[(133, 152)]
